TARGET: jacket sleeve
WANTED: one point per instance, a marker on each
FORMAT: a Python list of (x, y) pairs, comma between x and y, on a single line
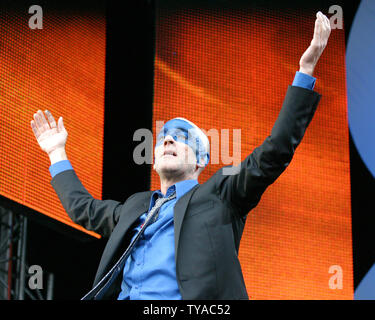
[(266, 163), (95, 215)]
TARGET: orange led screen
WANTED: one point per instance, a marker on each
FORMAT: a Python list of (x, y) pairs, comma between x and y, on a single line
[(60, 68), (230, 69)]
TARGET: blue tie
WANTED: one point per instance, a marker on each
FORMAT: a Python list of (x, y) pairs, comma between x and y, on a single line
[(98, 291)]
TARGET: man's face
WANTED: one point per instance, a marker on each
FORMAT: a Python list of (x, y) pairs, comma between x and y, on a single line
[(180, 149), (173, 157)]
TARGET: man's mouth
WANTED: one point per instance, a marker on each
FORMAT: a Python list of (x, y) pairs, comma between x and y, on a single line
[(170, 153)]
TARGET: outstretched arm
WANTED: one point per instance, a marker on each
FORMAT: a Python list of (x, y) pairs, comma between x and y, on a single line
[(96, 215)]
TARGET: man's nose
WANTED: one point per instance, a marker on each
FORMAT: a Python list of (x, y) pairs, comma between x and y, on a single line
[(168, 140)]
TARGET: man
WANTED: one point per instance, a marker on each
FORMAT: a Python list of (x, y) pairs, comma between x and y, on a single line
[(182, 241)]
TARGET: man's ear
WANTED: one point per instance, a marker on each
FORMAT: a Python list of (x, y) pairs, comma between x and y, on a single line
[(200, 164)]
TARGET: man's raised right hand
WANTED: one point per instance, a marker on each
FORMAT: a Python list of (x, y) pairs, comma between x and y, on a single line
[(51, 137)]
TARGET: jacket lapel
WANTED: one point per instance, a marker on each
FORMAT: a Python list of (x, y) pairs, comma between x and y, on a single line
[(130, 215), (179, 213), (135, 212)]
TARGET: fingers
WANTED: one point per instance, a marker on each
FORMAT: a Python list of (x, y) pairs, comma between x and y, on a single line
[(40, 123), (51, 119), (43, 120), (322, 30), (318, 27), (35, 129), (326, 24), (60, 125), (321, 21)]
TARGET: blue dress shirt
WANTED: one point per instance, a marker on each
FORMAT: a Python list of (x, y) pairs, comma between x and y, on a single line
[(150, 271)]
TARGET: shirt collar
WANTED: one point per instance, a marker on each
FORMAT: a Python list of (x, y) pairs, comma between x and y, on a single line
[(181, 188)]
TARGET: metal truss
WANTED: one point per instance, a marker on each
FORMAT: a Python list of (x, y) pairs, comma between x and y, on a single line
[(14, 275)]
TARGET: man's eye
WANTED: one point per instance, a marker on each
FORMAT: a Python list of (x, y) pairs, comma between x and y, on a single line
[(180, 137)]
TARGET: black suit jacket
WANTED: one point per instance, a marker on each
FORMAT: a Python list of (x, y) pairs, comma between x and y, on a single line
[(208, 220)]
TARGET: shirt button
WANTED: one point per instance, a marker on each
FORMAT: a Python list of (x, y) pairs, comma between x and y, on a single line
[(135, 287)]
